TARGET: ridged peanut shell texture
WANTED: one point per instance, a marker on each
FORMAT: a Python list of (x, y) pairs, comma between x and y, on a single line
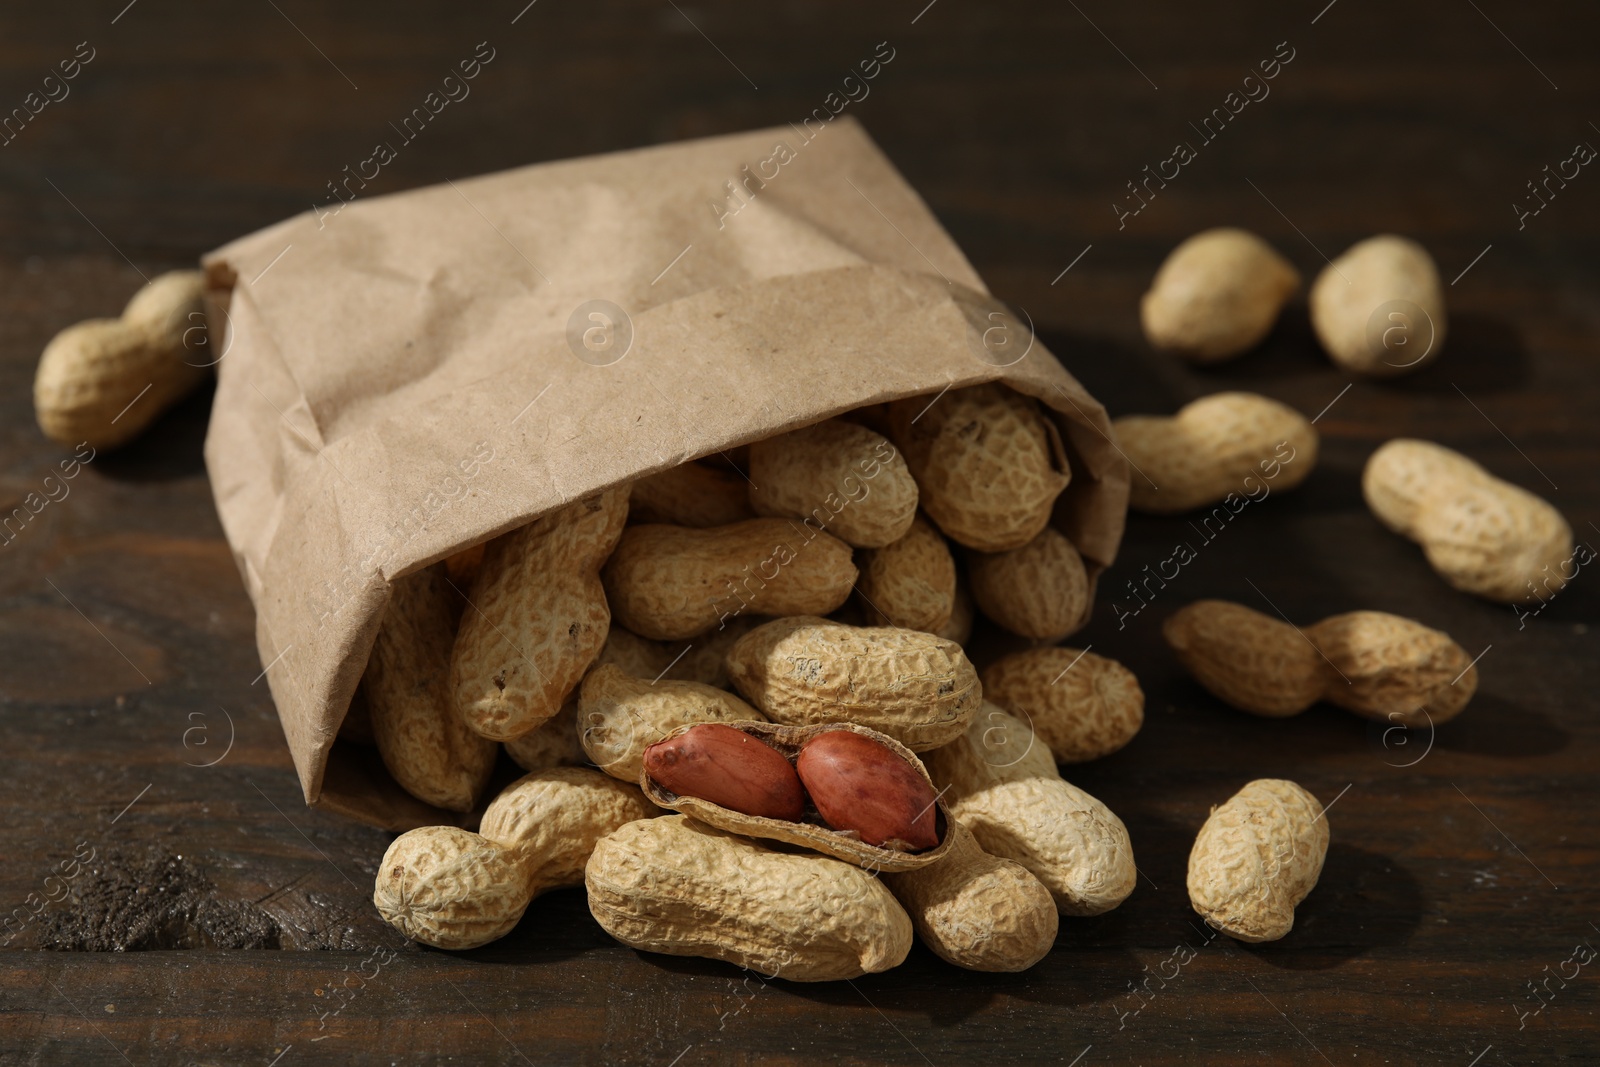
[(673, 582), (988, 461), (619, 716), (1040, 590), (1383, 667), (1082, 705), (844, 477), (426, 746), (1003, 786), (691, 494), (915, 687), (536, 617), (1217, 295), (553, 743), (1483, 535), (92, 378), (978, 911), (1227, 444), (675, 886), (1256, 858), (910, 583), (1379, 308)]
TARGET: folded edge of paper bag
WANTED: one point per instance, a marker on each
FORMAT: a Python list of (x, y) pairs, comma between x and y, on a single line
[(321, 529)]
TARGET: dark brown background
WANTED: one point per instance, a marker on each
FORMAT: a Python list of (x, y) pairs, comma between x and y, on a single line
[(126, 657)]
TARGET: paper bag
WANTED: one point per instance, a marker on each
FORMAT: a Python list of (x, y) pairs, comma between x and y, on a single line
[(405, 376)]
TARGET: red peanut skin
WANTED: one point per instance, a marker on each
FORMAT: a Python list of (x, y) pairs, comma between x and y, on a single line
[(858, 784), (729, 768)]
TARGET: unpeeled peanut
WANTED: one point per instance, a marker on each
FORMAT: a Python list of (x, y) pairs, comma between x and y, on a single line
[(1256, 858), (691, 494), (841, 476), (1482, 535), (103, 381), (1082, 705), (1003, 786), (1217, 295), (426, 746), (911, 582), (554, 743), (989, 463), (976, 910), (679, 887), (1383, 667), (620, 716), (674, 582), (1379, 308), (1040, 590), (453, 889), (536, 617), (915, 687), (1221, 448)]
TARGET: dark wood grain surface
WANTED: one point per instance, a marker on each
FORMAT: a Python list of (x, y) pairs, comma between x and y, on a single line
[(1458, 885)]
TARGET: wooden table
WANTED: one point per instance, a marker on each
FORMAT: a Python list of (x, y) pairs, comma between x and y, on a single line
[(1457, 878)]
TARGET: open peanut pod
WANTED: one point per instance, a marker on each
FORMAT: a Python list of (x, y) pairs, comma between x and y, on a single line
[(811, 831)]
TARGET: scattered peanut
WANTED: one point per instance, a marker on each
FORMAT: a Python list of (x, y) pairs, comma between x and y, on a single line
[(1379, 308), (1040, 590), (989, 463), (978, 911), (537, 617), (1082, 705), (675, 886), (1380, 666), (1221, 448), (839, 475), (103, 381), (1256, 858), (620, 716), (453, 889), (910, 583), (1484, 536), (427, 747), (1217, 295), (673, 582), (1003, 786), (691, 494), (915, 687)]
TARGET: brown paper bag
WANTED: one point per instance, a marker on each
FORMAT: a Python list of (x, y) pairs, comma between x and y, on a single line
[(405, 376)]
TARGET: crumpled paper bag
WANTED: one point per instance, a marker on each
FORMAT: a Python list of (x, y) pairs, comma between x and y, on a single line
[(409, 375)]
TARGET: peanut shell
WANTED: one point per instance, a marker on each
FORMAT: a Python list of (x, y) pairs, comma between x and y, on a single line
[(1217, 295), (1256, 858), (1040, 590), (1379, 309), (911, 582), (1083, 706), (841, 476), (619, 716), (691, 494)]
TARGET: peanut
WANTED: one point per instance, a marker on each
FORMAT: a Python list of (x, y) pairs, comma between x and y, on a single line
[(1003, 786), (619, 716), (1212, 450), (1082, 705), (876, 826), (1217, 295), (536, 617), (691, 494), (427, 747), (859, 785), (978, 911), (1256, 858), (675, 886), (453, 889), (1040, 590), (699, 661), (92, 381), (1482, 535), (915, 687), (728, 768), (988, 462), (839, 475), (1380, 666), (673, 582), (554, 743), (1379, 308), (911, 582)]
